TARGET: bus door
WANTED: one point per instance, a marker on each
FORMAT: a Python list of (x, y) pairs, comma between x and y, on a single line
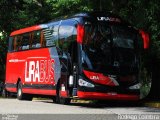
[(67, 38)]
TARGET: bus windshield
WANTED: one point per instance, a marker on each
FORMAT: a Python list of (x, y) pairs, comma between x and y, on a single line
[(107, 46)]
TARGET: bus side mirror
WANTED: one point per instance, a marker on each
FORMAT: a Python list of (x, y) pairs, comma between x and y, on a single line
[(145, 37)]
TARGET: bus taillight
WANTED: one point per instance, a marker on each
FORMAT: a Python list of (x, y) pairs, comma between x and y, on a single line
[(80, 33)]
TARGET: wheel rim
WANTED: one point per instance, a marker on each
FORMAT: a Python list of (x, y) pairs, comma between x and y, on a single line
[(19, 91), (4, 92)]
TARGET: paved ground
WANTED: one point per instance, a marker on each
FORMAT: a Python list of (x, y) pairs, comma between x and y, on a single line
[(46, 110)]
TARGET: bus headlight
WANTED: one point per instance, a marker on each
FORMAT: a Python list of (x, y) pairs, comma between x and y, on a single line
[(85, 83), (136, 86)]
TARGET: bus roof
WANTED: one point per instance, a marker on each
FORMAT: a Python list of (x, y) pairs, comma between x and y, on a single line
[(96, 14), (91, 15), (102, 16), (28, 29)]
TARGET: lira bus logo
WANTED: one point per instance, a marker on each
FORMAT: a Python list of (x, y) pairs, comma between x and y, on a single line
[(111, 19), (94, 77), (39, 70)]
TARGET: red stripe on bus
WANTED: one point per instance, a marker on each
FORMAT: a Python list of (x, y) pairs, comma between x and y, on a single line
[(39, 91), (64, 94), (106, 96), (99, 78), (11, 89), (25, 30)]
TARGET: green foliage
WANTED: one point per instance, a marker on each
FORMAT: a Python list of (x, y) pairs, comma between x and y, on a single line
[(61, 7)]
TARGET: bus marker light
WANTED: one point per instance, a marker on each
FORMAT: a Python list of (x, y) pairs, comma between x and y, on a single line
[(71, 80)]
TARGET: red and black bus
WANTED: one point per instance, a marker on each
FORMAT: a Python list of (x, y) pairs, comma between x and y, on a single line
[(92, 55)]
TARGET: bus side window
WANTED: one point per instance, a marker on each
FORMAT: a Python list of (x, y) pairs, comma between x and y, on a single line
[(11, 44), (51, 35), (17, 43), (25, 41), (43, 40), (67, 35), (36, 39)]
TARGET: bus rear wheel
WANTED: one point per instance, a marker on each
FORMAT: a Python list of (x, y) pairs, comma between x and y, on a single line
[(60, 99), (21, 95), (4, 93)]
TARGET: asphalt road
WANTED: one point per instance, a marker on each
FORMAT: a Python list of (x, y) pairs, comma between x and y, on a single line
[(13, 109)]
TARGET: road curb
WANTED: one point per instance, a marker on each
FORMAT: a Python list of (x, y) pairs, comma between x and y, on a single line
[(152, 104), (81, 101)]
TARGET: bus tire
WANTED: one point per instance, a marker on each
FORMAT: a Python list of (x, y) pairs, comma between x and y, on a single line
[(54, 99), (60, 99), (20, 94), (4, 93)]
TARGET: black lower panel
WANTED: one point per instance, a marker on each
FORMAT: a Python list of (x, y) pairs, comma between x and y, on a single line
[(105, 89), (33, 86)]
